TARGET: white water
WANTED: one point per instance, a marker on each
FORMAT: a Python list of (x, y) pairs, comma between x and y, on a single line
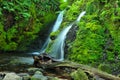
[(57, 49), (42, 50), (80, 15), (55, 28), (58, 22)]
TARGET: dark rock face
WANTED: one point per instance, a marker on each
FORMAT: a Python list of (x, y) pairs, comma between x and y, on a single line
[(43, 59), (37, 44), (72, 33), (70, 38)]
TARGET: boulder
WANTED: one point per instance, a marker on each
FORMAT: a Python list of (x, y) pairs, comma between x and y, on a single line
[(12, 76), (32, 70), (2, 75), (38, 76), (25, 76)]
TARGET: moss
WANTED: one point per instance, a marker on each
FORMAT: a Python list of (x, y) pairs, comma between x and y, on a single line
[(22, 21), (63, 4), (97, 26), (105, 67), (53, 35), (79, 75)]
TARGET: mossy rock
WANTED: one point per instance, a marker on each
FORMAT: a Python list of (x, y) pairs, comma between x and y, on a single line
[(105, 67), (79, 75), (98, 32), (38, 76), (53, 35)]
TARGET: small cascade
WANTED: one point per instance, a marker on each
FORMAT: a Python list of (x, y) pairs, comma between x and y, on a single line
[(42, 50), (58, 21), (79, 17), (55, 28), (57, 49)]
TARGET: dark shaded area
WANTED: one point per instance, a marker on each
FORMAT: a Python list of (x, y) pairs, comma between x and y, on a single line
[(71, 36), (37, 44)]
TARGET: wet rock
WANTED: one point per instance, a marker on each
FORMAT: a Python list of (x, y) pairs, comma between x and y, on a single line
[(43, 60), (2, 75), (12, 76), (79, 75), (38, 76), (32, 71), (25, 76)]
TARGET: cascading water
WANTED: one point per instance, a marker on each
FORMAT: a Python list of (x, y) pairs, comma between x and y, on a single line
[(57, 49), (58, 21), (55, 28), (79, 17)]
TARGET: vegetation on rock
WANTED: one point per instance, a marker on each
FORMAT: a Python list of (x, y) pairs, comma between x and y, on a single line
[(97, 39), (53, 35), (23, 20), (79, 75)]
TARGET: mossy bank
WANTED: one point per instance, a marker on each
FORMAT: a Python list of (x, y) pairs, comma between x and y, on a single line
[(23, 22), (98, 34)]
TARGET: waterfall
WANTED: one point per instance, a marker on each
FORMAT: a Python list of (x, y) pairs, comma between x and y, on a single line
[(55, 28), (79, 17), (58, 21), (57, 49), (42, 50)]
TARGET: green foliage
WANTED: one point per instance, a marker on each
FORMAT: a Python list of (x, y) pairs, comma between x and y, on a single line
[(48, 19), (98, 32), (4, 40), (63, 4), (105, 67), (79, 75), (2, 37), (92, 6), (73, 12), (53, 35), (22, 20)]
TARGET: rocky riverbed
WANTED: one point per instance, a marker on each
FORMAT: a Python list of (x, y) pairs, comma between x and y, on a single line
[(23, 67), (20, 67), (31, 74)]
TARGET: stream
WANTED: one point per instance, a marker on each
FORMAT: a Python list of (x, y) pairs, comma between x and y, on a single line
[(17, 62)]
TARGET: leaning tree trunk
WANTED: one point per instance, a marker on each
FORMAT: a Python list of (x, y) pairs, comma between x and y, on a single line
[(46, 62)]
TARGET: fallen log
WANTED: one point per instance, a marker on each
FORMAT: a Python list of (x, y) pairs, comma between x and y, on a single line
[(49, 63), (87, 69)]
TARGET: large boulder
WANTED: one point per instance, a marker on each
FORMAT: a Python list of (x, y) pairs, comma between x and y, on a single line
[(38, 76), (25, 76), (12, 76)]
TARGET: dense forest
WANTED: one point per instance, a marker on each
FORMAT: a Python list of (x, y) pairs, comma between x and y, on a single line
[(93, 41)]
